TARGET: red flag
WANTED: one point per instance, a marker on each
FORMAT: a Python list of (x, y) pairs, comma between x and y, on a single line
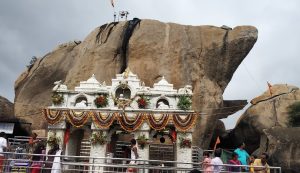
[(270, 88), (67, 136), (217, 142), (112, 3), (174, 135)]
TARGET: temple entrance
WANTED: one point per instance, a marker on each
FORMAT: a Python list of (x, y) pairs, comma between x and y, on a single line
[(119, 146), (78, 144), (162, 148)]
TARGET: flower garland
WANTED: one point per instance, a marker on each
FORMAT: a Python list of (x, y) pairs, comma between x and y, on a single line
[(98, 138), (77, 119), (185, 142), (53, 116), (128, 123), (101, 101), (102, 121), (57, 99), (142, 141), (184, 102), (52, 140), (184, 124), (143, 102), (160, 123)]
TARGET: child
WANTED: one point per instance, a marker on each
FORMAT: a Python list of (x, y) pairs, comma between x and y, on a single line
[(206, 165)]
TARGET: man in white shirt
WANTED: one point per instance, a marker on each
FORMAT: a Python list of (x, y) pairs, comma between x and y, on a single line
[(3, 146), (217, 162)]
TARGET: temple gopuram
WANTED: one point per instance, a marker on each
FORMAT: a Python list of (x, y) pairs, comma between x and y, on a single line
[(98, 120)]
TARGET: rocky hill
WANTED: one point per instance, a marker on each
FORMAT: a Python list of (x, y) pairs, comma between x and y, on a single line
[(264, 127), (6, 109), (203, 56)]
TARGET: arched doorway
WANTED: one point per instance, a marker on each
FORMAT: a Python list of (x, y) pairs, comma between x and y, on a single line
[(125, 91)]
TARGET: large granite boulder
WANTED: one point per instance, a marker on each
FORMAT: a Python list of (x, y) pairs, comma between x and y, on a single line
[(203, 56), (6, 109), (283, 145), (264, 127)]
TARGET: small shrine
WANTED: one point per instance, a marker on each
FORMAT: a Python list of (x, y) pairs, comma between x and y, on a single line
[(108, 117)]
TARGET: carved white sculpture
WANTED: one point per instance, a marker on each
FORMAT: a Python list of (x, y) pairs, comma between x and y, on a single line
[(81, 104), (59, 86), (162, 105), (92, 88), (186, 90)]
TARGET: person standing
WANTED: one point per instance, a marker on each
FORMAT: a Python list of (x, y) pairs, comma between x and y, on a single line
[(206, 165), (3, 146), (134, 155), (234, 161), (243, 156), (134, 152), (217, 162), (262, 162), (56, 166), (37, 160), (33, 139), (251, 162), (50, 159)]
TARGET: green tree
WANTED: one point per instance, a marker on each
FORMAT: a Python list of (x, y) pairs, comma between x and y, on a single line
[(294, 114)]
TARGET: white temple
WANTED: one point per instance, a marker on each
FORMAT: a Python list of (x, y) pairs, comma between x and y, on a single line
[(127, 109)]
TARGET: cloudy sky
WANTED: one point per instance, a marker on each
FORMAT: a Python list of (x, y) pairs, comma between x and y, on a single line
[(34, 27)]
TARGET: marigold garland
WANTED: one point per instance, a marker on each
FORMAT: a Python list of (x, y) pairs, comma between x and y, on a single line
[(79, 118), (100, 122), (130, 126), (53, 116), (184, 125), (160, 124), (76, 120)]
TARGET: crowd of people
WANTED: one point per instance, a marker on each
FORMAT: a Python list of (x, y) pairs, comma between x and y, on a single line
[(240, 160), (37, 159)]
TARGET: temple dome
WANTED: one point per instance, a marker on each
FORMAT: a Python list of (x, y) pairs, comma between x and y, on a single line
[(92, 80), (163, 85), (92, 84)]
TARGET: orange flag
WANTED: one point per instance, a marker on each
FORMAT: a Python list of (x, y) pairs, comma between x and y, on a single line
[(270, 88), (217, 142)]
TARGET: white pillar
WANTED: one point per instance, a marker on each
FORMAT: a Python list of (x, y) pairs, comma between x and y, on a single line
[(97, 150), (143, 153), (59, 131), (144, 130), (183, 154)]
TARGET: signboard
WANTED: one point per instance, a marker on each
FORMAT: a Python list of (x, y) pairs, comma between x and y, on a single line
[(7, 128)]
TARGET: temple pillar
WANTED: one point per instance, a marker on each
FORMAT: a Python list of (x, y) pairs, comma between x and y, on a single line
[(58, 131), (143, 152), (183, 154), (98, 150)]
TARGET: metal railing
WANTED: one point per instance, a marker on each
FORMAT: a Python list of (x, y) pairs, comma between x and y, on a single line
[(22, 163)]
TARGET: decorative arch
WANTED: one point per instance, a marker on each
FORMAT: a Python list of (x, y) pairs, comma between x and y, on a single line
[(126, 91), (78, 98), (163, 99)]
